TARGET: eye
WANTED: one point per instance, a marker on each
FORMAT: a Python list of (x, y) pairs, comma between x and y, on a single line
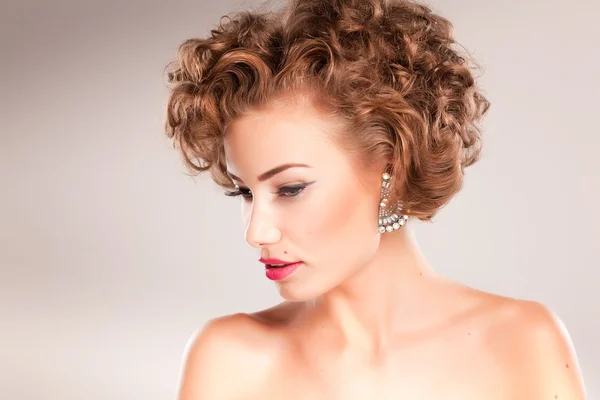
[(291, 191), (284, 191), (244, 192)]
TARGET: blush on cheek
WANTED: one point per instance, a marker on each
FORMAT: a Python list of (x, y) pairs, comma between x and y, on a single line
[(335, 218)]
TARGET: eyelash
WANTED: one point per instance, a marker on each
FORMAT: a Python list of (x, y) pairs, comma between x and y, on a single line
[(284, 191)]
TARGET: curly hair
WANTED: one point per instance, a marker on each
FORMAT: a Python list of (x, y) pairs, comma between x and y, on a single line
[(388, 68)]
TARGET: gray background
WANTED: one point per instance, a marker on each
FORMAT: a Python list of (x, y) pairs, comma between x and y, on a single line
[(111, 256)]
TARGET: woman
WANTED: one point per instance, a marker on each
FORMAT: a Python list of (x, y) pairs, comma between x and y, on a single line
[(338, 122)]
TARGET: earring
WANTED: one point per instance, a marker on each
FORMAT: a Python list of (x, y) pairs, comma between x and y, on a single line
[(390, 217)]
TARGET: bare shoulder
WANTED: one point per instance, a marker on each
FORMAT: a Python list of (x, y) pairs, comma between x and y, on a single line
[(534, 346), (229, 357)]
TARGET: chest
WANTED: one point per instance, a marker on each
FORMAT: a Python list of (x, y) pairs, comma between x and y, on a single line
[(431, 372)]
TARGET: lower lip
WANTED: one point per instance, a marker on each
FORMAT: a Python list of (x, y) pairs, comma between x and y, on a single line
[(277, 274)]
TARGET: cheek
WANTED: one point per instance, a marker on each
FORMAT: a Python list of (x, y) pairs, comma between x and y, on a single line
[(338, 220)]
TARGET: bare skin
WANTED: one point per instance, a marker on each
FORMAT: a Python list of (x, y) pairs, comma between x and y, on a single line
[(365, 316)]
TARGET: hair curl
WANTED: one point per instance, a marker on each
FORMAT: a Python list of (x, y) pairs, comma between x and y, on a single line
[(389, 68)]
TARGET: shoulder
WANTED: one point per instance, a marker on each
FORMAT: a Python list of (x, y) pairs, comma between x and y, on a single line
[(534, 345), (231, 348)]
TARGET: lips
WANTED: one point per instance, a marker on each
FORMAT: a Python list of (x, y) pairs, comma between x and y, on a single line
[(277, 265), (278, 274), (276, 262)]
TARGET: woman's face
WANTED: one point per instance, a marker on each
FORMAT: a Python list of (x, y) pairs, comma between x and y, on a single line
[(323, 211)]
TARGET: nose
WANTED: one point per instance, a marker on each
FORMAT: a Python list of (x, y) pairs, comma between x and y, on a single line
[(261, 229)]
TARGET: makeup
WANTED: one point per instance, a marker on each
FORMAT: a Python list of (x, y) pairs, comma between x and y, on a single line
[(279, 273)]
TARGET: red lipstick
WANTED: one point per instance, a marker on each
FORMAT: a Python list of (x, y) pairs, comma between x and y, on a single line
[(277, 269)]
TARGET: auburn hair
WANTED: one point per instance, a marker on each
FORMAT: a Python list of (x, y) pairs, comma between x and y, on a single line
[(391, 69)]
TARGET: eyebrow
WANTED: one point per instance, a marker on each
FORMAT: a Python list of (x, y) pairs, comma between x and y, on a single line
[(272, 172)]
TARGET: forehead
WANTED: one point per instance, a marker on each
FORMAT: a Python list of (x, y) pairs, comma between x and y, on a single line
[(281, 132)]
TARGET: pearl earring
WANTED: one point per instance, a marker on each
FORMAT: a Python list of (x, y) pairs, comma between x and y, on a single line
[(390, 217)]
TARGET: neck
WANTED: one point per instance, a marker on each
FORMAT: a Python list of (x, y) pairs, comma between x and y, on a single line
[(381, 297)]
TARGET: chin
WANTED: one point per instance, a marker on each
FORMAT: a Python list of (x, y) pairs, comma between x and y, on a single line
[(298, 291), (295, 294), (303, 290)]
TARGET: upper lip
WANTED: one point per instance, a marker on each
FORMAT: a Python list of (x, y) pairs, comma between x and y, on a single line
[(275, 261)]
